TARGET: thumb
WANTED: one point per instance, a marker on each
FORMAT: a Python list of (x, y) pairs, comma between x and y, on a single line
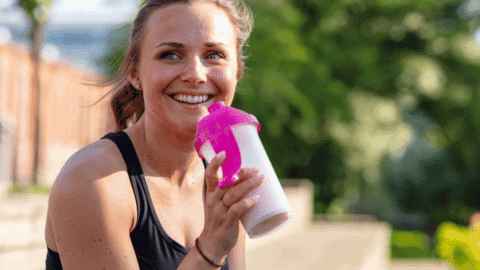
[(211, 175)]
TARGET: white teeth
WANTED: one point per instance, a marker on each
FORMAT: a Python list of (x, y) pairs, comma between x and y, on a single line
[(191, 99)]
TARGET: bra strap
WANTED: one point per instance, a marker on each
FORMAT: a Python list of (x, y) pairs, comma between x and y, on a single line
[(125, 145)]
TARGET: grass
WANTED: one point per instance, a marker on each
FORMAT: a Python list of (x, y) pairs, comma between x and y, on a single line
[(15, 189)]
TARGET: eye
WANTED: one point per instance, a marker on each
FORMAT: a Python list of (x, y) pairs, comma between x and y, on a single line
[(215, 55), (169, 55)]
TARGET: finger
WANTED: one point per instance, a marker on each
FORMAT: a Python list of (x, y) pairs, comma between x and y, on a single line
[(246, 173), (212, 169), (238, 191), (236, 211)]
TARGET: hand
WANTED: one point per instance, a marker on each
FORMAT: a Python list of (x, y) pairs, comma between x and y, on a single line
[(224, 208)]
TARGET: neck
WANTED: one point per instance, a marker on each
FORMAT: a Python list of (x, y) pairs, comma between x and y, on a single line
[(167, 154)]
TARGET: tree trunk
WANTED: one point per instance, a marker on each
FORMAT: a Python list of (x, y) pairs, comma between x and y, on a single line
[(36, 37)]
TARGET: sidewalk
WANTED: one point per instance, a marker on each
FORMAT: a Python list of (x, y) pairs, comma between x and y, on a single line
[(22, 227)]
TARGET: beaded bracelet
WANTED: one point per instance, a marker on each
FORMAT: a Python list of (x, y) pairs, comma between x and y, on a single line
[(205, 257)]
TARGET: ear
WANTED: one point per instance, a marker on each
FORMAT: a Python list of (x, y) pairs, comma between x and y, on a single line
[(134, 80)]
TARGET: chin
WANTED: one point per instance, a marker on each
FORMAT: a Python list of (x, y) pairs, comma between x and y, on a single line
[(189, 128)]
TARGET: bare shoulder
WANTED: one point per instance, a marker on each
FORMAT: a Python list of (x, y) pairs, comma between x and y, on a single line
[(91, 209), (97, 167), (97, 160)]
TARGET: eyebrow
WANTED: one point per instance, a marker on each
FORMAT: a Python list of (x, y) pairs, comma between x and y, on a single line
[(180, 45)]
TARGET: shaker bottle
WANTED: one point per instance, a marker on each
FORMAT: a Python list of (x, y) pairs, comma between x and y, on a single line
[(235, 132)]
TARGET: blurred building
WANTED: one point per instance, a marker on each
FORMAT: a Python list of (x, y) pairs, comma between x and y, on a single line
[(66, 123)]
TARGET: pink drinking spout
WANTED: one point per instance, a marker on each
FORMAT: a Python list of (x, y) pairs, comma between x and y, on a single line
[(215, 106), (216, 128)]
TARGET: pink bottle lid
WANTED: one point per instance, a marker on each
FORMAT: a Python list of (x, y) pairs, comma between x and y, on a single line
[(216, 128)]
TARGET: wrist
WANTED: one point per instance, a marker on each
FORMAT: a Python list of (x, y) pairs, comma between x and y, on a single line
[(211, 259)]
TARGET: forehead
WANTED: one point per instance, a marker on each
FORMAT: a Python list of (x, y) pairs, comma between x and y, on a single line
[(190, 24)]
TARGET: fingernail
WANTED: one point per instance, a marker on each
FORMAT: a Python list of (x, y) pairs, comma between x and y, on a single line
[(255, 198), (258, 179), (251, 170), (221, 154)]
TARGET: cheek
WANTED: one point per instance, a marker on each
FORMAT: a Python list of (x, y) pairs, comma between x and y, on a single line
[(225, 77), (160, 78)]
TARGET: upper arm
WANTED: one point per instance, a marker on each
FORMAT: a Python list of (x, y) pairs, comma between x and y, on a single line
[(90, 219)]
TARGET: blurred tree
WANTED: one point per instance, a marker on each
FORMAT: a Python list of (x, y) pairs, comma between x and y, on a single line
[(410, 71), (37, 12)]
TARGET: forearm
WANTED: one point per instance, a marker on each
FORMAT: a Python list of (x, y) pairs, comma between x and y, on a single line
[(194, 260)]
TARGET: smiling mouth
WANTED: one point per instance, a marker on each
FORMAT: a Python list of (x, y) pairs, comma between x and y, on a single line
[(191, 100)]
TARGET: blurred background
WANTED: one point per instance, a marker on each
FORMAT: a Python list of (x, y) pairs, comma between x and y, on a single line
[(376, 102)]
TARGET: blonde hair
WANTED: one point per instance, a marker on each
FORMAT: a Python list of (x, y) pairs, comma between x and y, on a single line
[(127, 102)]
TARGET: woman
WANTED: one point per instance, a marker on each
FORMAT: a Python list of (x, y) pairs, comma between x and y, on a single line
[(142, 198)]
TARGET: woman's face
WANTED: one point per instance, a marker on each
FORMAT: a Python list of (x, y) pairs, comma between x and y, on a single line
[(188, 54)]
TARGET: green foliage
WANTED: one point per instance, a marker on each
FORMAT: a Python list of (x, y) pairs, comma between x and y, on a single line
[(36, 10), (421, 56), (411, 245), (28, 5), (455, 211), (289, 90), (112, 59), (459, 246)]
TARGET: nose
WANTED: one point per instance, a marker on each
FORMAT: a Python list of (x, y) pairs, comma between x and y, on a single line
[(195, 72)]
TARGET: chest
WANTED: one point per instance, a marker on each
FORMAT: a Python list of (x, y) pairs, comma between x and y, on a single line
[(181, 215)]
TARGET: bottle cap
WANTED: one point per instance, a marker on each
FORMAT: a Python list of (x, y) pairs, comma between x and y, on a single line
[(217, 129)]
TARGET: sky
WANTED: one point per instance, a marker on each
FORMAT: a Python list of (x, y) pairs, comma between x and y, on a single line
[(79, 11)]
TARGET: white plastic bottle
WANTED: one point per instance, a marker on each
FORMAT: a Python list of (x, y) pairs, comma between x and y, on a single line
[(236, 132)]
